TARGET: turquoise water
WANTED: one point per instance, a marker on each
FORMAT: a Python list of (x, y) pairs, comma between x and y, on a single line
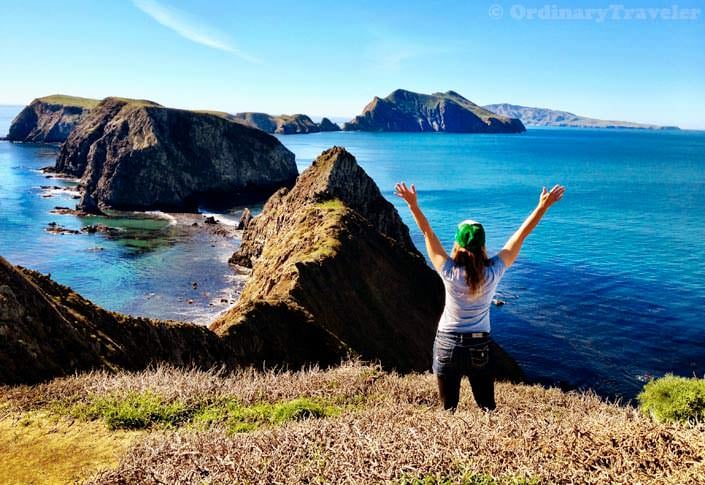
[(608, 291), (148, 268)]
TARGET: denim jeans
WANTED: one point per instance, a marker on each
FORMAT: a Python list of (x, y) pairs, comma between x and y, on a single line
[(456, 355)]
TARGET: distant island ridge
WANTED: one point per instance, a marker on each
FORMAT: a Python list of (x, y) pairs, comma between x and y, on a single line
[(550, 117), (50, 119)]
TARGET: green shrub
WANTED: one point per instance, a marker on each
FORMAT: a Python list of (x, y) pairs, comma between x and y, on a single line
[(134, 411), (141, 410), (674, 399), (239, 418)]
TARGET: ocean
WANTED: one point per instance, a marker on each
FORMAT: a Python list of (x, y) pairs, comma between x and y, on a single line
[(608, 291)]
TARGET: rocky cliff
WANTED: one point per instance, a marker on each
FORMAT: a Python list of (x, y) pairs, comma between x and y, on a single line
[(140, 155), (407, 111), (335, 174), (284, 124), (49, 119), (328, 125), (47, 330), (341, 270), (551, 117)]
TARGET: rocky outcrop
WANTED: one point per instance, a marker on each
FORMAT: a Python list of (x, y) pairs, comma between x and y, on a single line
[(49, 119), (407, 111), (551, 117), (335, 174), (340, 272), (284, 124), (328, 125), (47, 330), (138, 155)]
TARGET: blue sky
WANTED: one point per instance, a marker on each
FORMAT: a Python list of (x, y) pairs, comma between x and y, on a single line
[(331, 58)]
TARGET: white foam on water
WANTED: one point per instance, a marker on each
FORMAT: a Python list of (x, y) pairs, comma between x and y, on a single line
[(60, 191), (225, 219), (162, 215)]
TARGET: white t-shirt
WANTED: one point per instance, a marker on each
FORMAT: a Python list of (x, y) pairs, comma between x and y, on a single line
[(463, 312)]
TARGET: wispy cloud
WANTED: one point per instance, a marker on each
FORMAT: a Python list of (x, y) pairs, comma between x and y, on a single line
[(389, 51), (191, 28)]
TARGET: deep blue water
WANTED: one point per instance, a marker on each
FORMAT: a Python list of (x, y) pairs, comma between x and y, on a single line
[(609, 290)]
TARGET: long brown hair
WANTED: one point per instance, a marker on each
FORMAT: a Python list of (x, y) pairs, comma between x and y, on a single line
[(474, 261)]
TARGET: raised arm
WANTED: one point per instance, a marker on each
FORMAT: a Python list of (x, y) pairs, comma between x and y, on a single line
[(435, 249), (511, 249)]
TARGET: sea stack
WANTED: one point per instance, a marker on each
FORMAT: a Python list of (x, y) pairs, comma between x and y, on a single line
[(139, 155), (328, 125), (50, 119), (450, 112)]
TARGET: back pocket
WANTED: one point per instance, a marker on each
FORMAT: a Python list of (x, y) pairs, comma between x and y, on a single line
[(479, 356)]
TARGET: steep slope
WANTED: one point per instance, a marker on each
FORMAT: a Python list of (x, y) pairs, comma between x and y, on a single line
[(49, 119), (550, 117), (334, 174), (140, 155), (48, 330), (408, 111), (325, 266)]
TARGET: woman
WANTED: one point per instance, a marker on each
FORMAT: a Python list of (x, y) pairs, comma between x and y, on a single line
[(461, 347)]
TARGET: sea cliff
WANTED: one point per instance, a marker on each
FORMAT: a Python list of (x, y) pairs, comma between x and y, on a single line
[(137, 155), (50, 119)]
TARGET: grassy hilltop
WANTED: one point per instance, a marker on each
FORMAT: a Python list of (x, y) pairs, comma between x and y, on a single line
[(351, 424)]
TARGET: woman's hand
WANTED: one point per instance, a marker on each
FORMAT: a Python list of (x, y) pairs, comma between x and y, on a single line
[(548, 198), (435, 250), (408, 194)]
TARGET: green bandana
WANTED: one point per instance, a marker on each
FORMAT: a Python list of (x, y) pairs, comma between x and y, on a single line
[(470, 235)]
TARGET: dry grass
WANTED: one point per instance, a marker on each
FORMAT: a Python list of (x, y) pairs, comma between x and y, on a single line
[(36, 448), (395, 433)]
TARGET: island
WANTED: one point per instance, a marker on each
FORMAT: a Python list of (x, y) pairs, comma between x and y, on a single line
[(413, 112), (550, 117), (139, 155)]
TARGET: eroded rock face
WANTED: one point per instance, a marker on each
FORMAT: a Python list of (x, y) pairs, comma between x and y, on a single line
[(408, 111), (50, 119), (328, 271), (284, 124), (335, 174), (47, 330), (139, 155)]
